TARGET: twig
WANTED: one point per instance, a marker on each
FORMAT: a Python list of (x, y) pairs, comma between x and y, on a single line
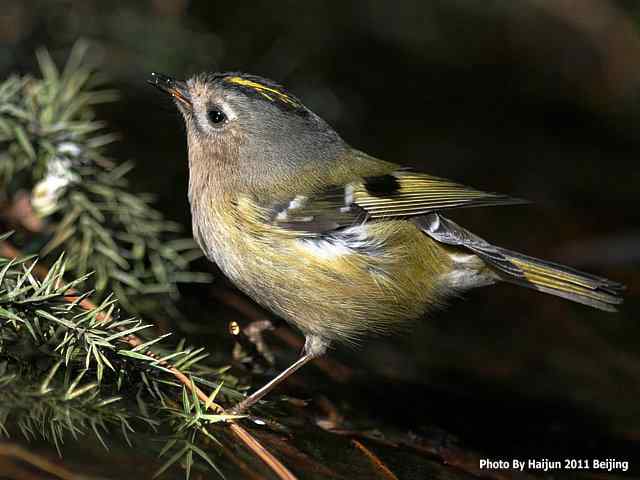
[(333, 420), (256, 447), (11, 470), (9, 251), (20, 214), (301, 459), (12, 450), (439, 449), (248, 472), (375, 460)]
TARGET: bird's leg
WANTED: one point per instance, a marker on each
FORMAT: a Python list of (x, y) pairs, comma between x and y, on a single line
[(313, 348), (258, 394)]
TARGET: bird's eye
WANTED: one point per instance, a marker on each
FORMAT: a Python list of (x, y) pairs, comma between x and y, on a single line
[(216, 116)]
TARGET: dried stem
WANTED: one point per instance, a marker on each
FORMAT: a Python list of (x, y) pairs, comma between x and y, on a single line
[(388, 474), (11, 450)]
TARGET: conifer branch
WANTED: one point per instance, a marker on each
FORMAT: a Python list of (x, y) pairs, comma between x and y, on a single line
[(68, 366), (52, 146), (192, 419)]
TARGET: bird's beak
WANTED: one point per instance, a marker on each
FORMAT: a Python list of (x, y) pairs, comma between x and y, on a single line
[(178, 90)]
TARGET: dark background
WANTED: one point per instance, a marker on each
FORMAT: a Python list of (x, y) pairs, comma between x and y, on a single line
[(534, 98)]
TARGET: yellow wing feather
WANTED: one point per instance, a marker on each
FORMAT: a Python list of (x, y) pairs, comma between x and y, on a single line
[(417, 194)]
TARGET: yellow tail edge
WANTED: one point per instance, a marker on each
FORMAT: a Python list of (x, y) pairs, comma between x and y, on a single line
[(563, 281)]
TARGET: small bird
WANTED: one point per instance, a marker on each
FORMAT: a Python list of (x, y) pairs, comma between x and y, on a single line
[(336, 242)]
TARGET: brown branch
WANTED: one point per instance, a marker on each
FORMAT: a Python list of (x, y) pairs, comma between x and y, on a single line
[(303, 461), (9, 251), (375, 460), (444, 450), (333, 420), (11, 450), (19, 214), (246, 469), (256, 447)]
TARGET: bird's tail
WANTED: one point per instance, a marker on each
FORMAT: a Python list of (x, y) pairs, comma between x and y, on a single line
[(513, 267), (559, 280)]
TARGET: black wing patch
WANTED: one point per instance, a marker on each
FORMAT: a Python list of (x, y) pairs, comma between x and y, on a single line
[(382, 185), (406, 193)]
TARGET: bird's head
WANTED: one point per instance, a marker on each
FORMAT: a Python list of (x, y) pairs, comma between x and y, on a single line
[(249, 126)]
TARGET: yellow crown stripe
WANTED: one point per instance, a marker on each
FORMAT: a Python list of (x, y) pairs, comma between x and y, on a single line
[(264, 90)]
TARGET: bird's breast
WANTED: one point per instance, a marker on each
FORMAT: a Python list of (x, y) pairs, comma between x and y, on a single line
[(368, 277)]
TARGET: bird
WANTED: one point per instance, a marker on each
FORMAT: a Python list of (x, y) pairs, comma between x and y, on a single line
[(336, 242)]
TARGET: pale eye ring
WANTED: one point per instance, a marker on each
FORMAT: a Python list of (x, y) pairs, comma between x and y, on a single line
[(216, 116)]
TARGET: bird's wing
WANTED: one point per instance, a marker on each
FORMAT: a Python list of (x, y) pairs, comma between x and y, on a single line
[(406, 193), (398, 194), (448, 232)]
